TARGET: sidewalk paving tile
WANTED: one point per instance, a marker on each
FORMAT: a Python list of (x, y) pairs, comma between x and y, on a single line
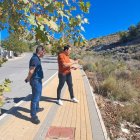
[(75, 116)]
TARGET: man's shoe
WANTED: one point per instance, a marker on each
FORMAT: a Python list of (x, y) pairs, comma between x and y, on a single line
[(59, 102), (40, 109), (35, 120), (75, 100)]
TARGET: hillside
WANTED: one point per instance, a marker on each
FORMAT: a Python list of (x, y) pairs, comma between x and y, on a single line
[(105, 40), (112, 45), (112, 64)]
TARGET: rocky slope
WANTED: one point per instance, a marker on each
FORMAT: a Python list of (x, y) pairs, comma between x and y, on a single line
[(111, 45), (105, 40)]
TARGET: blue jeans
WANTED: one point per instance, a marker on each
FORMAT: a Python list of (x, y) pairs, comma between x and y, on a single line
[(36, 85), (62, 79)]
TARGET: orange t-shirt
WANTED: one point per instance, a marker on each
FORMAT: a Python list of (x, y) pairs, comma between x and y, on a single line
[(63, 58)]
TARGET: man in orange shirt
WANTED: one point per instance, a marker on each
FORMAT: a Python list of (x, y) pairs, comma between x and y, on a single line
[(65, 65)]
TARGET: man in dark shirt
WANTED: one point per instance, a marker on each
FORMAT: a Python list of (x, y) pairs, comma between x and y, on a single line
[(35, 77)]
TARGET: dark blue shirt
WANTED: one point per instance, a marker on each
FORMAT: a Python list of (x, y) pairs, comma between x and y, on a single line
[(35, 62)]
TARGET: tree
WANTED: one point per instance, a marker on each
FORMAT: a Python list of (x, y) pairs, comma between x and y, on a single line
[(123, 36), (132, 31), (138, 29), (46, 19), (15, 44)]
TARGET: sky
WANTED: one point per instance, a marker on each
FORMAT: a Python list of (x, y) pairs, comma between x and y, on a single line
[(111, 16), (108, 17)]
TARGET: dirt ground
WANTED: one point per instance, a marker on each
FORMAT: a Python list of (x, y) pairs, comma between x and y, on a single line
[(110, 111)]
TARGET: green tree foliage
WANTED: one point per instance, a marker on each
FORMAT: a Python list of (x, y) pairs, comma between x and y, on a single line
[(47, 49), (15, 44), (45, 18), (5, 87), (2, 60), (55, 50), (132, 33), (123, 36)]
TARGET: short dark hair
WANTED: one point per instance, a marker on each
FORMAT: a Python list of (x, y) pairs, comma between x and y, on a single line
[(66, 47), (39, 48)]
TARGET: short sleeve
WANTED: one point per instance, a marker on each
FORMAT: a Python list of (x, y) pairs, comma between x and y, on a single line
[(33, 62)]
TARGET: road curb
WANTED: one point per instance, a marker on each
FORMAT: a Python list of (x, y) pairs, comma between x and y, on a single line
[(97, 109)]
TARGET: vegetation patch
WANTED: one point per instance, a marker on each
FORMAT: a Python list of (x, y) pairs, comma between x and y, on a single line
[(2, 60), (117, 87), (5, 87)]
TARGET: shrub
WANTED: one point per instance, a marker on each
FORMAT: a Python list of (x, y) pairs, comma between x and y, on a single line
[(123, 36), (117, 89), (74, 56), (135, 78), (2, 61), (108, 67), (125, 91), (131, 113), (136, 56), (107, 86), (81, 62), (88, 59), (89, 67), (123, 74), (5, 87), (1, 100)]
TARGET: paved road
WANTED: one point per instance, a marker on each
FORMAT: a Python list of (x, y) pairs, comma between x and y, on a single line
[(16, 70)]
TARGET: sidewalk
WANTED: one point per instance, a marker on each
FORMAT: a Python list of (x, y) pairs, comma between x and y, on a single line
[(71, 121)]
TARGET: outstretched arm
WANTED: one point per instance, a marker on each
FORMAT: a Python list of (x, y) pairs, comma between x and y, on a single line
[(69, 64)]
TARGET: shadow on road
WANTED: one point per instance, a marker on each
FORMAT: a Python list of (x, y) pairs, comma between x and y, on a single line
[(48, 99), (20, 110), (16, 100), (17, 112)]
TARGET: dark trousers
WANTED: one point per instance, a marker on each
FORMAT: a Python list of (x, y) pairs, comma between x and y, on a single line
[(36, 85), (62, 79)]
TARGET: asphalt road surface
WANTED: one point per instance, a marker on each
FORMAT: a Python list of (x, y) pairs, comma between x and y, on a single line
[(16, 70)]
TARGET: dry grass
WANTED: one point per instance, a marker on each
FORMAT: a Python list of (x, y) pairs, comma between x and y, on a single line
[(123, 74), (117, 89), (131, 113), (117, 81), (89, 67), (135, 78)]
